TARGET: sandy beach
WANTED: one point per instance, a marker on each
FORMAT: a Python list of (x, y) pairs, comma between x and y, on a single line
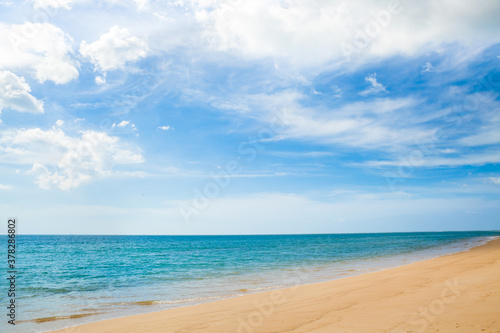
[(453, 293)]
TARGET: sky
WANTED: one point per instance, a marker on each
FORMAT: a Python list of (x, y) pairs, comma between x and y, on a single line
[(249, 116)]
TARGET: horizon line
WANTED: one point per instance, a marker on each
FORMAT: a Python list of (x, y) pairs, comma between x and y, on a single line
[(264, 234)]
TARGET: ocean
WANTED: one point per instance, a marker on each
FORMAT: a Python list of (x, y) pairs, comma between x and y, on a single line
[(67, 280)]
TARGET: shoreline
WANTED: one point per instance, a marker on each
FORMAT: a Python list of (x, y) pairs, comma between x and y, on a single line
[(274, 310), (243, 286)]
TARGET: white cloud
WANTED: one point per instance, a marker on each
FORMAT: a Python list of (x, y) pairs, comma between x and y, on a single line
[(15, 94), (488, 136), (358, 124), (375, 88), (100, 79), (297, 154), (427, 67), (310, 32), (337, 91), (123, 123), (66, 162), (60, 123), (390, 124), (114, 50), (5, 187), (495, 180), (164, 128), (141, 4), (123, 126), (44, 48), (482, 158), (488, 133)]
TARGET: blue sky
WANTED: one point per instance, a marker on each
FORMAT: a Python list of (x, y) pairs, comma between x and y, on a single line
[(233, 117)]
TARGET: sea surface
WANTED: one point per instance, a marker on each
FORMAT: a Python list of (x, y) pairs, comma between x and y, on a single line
[(69, 280)]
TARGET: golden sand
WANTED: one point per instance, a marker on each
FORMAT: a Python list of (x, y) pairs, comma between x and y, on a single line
[(453, 293)]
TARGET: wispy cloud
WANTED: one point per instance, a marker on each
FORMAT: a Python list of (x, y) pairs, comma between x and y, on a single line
[(427, 67), (490, 136), (375, 88), (486, 157), (495, 180), (356, 124), (123, 123), (305, 154)]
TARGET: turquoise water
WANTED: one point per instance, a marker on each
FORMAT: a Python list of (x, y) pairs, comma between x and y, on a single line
[(68, 280)]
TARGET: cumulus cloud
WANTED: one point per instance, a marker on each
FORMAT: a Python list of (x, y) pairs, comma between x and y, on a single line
[(41, 47), (164, 128), (15, 94), (66, 162), (114, 50), (375, 88)]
